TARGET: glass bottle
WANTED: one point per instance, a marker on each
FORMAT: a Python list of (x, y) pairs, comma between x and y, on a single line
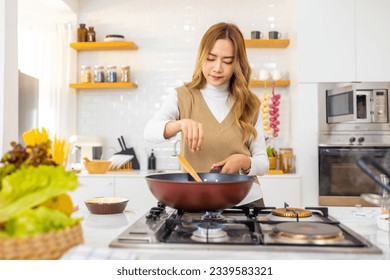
[(111, 74), (82, 33), (152, 161), (91, 34), (85, 74), (125, 73), (99, 74)]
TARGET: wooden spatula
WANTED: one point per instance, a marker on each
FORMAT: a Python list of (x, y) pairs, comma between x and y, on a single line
[(187, 166)]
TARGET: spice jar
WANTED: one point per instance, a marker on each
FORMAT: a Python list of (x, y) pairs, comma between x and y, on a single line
[(111, 74), (286, 158), (85, 74), (99, 74), (82, 33), (91, 34), (125, 74)]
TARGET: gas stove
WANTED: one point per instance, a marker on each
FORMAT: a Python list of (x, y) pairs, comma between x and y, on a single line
[(310, 229)]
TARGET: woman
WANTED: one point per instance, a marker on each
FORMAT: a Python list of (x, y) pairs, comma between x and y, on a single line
[(217, 114)]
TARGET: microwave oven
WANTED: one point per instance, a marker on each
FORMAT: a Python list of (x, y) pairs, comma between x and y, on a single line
[(348, 104), (354, 106)]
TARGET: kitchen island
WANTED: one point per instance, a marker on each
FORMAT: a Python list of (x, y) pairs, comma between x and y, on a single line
[(100, 230)]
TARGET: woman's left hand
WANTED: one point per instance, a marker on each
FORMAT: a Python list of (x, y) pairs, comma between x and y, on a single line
[(234, 163)]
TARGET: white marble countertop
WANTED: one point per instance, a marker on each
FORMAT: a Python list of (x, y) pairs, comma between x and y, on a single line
[(100, 230), (133, 173)]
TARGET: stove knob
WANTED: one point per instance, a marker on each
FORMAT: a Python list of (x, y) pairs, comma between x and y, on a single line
[(152, 216), (361, 140), (155, 211), (352, 139), (161, 205)]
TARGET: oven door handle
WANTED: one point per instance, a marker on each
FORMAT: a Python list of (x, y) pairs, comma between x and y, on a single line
[(338, 151), (366, 162)]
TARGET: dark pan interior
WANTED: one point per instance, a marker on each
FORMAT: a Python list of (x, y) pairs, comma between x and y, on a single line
[(207, 177)]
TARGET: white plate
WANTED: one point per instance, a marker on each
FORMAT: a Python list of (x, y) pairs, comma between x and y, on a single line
[(114, 40), (119, 160), (125, 160)]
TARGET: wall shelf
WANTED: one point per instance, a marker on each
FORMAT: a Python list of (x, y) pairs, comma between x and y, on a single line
[(118, 85), (104, 46), (262, 83), (267, 43)]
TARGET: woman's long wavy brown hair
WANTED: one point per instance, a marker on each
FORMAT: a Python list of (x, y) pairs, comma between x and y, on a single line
[(246, 104)]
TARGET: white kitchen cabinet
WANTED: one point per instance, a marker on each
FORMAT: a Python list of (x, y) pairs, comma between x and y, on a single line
[(137, 191), (372, 40), (342, 41), (326, 40), (93, 186), (280, 189)]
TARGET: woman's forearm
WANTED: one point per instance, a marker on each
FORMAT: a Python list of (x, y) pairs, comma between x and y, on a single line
[(171, 129)]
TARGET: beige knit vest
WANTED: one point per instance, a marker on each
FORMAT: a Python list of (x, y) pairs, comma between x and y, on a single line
[(220, 139)]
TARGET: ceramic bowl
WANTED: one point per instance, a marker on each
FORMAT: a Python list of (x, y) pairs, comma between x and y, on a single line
[(106, 205), (383, 222), (97, 166)]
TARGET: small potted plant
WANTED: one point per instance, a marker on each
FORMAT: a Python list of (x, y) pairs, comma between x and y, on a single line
[(272, 157)]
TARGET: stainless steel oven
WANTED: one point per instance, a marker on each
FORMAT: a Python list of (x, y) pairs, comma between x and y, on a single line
[(341, 182)]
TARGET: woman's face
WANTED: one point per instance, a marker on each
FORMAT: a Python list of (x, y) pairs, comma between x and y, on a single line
[(220, 63)]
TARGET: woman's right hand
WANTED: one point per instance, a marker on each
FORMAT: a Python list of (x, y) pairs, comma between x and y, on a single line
[(192, 133)]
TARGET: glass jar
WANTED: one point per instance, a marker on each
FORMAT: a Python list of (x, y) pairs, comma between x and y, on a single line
[(99, 74), (125, 74), (82, 33), (111, 74), (85, 74), (286, 158), (91, 34)]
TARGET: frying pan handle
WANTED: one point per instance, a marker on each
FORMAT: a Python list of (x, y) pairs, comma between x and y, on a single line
[(216, 169), (365, 162)]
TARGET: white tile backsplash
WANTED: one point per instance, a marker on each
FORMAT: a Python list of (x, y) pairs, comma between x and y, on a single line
[(167, 33)]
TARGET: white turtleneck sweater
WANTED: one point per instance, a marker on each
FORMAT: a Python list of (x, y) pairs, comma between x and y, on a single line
[(218, 102)]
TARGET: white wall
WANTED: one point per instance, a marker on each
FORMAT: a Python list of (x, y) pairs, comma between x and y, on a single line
[(168, 33), (8, 74)]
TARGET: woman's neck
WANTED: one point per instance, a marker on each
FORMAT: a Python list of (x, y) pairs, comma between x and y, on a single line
[(217, 89)]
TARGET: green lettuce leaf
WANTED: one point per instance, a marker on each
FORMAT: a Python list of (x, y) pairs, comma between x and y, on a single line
[(36, 221), (30, 186)]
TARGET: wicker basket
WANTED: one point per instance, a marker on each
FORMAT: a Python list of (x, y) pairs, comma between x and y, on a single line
[(47, 246)]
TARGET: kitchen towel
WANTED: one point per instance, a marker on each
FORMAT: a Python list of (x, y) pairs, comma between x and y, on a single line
[(82, 252)]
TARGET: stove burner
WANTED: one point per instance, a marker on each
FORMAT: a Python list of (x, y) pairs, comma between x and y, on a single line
[(308, 231), (209, 232), (213, 215), (291, 212)]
